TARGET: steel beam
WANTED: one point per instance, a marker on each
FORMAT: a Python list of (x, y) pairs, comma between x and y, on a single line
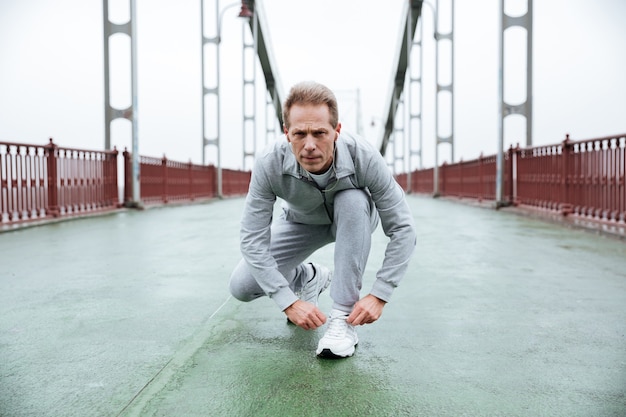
[(414, 8), (266, 59), (249, 109), (448, 88)]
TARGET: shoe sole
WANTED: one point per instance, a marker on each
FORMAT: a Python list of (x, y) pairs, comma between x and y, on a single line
[(329, 354)]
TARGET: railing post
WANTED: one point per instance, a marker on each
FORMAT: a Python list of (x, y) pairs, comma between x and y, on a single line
[(190, 180), (481, 184), (518, 152), (227, 179), (53, 187), (128, 180), (442, 185), (566, 205), (621, 178), (509, 188), (461, 188), (213, 177), (164, 176), (114, 191)]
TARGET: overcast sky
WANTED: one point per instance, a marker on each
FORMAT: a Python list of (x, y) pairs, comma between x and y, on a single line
[(51, 71)]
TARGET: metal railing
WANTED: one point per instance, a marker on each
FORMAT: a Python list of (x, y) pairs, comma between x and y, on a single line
[(584, 177), (235, 182), (164, 181), (42, 182), (475, 178)]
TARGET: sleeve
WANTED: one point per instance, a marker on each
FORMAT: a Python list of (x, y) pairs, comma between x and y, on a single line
[(397, 223), (255, 237)]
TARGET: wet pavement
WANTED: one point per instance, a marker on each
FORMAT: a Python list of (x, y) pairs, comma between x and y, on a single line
[(129, 314)]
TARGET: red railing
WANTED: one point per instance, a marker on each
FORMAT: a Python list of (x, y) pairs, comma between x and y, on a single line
[(423, 181), (475, 178), (43, 182), (235, 182), (163, 181), (465, 179), (585, 177), (38, 182)]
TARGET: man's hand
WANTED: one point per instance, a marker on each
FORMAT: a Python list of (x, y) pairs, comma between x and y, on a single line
[(305, 315), (367, 310)]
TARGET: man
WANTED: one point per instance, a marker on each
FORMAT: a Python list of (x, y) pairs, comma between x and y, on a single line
[(335, 189)]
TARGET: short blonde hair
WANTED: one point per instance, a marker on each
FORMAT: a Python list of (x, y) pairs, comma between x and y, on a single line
[(311, 92)]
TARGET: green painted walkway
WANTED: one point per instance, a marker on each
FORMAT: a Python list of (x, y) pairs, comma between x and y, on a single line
[(129, 314)]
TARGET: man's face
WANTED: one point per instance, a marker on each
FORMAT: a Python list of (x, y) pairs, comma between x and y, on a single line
[(312, 137)]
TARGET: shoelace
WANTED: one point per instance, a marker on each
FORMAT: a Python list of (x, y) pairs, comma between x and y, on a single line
[(337, 327)]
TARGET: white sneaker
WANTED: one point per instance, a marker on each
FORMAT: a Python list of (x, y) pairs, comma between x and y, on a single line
[(319, 280), (340, 338)]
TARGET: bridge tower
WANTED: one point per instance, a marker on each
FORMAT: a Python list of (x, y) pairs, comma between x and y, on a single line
[(524, 21), (129, 112)]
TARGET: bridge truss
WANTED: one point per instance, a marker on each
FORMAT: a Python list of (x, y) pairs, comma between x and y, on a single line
[(401, 140)]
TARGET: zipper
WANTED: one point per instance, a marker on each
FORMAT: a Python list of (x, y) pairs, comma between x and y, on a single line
[(326, 207), (322, 192)]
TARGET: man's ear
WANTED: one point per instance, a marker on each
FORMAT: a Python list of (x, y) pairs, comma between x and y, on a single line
[(285, 130), (338, 130)]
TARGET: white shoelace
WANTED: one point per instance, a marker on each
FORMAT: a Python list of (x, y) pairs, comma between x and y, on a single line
[(337, 327)]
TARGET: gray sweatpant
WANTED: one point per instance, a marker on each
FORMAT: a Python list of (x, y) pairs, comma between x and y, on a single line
[(354, 219)]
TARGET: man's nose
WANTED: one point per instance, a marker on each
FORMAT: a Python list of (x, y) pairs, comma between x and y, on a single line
[(309, 143)]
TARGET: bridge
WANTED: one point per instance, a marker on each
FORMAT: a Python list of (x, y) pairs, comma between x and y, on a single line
[(117, 302), (129, 314)]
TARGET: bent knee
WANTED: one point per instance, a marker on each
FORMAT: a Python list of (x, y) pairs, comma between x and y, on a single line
[(354, 201), (353, 196), (243, 286), (240, 293)]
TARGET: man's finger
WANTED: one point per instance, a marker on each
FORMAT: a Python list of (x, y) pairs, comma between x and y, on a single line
[(318, 318), (358, 318)]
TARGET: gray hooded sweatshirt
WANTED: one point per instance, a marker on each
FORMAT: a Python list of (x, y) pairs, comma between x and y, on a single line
[(357, 165)]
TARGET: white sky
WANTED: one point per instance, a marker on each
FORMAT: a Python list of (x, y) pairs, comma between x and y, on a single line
[(51, 71)]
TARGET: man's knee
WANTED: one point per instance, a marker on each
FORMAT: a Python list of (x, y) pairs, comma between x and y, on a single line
[(242, 284), (237, 291), (353, 199), (353, 202)]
